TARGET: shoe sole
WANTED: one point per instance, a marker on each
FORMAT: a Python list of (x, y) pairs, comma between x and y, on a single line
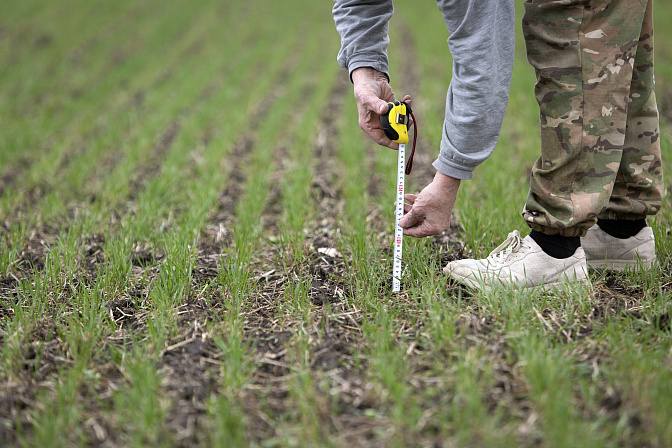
[(545, 287), (620, 265)]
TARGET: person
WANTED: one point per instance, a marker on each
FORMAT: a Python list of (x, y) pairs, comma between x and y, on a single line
[(600, 173)]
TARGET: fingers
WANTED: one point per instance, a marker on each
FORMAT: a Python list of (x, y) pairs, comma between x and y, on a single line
[(379, 137), (410, 219), (420, 226), (407, 207), (370, 102), (376, 105), (421, 229), (371, 105), (370, 123), (419, 232)]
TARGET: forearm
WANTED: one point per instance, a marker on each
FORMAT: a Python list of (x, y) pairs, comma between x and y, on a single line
[(482, 45), (363, 27)]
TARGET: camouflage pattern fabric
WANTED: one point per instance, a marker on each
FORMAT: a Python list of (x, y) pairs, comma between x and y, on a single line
[(600, 147)]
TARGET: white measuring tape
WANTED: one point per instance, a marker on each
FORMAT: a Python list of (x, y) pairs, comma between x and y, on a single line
[(398, 231), (395, 125)]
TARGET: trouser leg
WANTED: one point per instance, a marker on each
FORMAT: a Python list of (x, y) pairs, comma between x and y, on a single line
[(638, 188), (583, 53)]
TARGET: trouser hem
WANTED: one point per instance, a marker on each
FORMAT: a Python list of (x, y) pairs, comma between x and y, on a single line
[(570, 231), (614, 216)]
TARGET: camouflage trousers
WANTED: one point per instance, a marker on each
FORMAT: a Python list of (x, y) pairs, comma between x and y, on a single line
[(600, 147)]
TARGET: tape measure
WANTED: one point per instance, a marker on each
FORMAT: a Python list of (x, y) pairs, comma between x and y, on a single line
[(395, 125)]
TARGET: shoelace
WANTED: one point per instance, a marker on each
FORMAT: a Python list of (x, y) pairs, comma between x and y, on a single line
[(511, 244)]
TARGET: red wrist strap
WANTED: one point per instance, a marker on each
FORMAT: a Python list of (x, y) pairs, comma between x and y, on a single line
[(409, 164)]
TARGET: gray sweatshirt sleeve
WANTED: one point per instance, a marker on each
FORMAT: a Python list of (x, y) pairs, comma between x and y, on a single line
[(363, 28), (482, 36)]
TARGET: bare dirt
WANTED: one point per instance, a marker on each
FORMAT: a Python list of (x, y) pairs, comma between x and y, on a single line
[(190, 364)]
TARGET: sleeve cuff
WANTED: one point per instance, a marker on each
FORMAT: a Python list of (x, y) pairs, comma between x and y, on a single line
[(461, 173)]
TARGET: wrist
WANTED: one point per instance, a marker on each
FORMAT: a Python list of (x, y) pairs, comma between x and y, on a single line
[(366, 73), (447, 183)]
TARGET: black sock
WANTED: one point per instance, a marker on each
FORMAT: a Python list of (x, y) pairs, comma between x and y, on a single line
[(621, 228), (557, 246)]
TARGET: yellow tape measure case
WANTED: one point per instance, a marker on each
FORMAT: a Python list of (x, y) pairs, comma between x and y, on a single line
[(395, 122)]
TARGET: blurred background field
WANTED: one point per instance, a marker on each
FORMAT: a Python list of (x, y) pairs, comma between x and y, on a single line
[(195, 242)]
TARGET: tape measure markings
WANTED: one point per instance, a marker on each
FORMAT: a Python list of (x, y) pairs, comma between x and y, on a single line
[(398, 231)]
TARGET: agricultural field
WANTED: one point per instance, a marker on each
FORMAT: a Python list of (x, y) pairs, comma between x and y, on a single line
[(196, 241)]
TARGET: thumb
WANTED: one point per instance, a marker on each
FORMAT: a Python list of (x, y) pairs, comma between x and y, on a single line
[(382, 107), (411, 219), (369, 100)]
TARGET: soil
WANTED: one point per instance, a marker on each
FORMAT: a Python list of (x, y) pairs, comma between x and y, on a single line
[(190, 363)]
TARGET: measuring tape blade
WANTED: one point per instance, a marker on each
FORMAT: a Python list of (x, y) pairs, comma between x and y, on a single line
[(398, 231)]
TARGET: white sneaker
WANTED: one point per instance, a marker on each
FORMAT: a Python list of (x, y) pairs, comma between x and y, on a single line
[(521, 263), (605, 251)]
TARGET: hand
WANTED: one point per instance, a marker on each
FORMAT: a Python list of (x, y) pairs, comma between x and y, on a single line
[(430, 211), (372, 93)]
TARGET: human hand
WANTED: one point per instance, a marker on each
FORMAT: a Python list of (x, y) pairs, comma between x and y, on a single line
[(430, 211), (372, 93)]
